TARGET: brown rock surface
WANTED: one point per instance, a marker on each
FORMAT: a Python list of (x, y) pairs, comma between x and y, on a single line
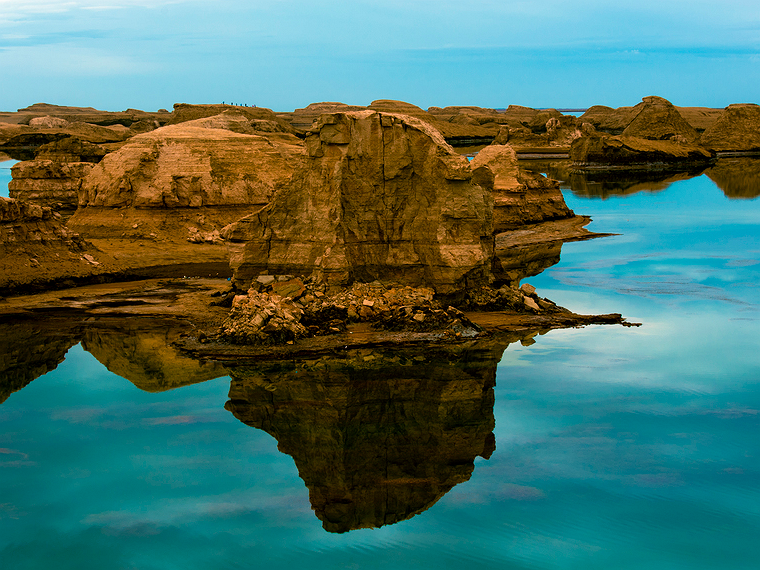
[(521, 197), (377, 437), (256, 117), (737, 129), (635, 152), (656, 118), (48, 183), (381, 196)]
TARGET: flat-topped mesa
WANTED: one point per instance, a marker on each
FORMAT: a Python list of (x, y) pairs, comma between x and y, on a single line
[(381, 196)]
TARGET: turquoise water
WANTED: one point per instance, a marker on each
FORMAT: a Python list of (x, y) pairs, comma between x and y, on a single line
[(616, 447), (5, 176)]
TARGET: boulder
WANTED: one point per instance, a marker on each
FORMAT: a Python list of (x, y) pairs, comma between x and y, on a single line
[(380, 196), (520, 197), (737, 129)]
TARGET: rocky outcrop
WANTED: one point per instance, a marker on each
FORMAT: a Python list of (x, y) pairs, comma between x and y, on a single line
[(737, 129), (55, 176), (377, 437), (634, 152), (38, 251), (303, 119), (381, 196), (258, 119), (520, 197), (220, 165), (657, 119)]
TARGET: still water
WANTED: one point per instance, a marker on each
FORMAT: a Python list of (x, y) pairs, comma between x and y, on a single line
[(614, 447)]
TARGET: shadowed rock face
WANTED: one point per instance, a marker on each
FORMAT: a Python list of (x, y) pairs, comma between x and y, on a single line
[(381, 196), (736, 129), (376, 436), (625, 151)]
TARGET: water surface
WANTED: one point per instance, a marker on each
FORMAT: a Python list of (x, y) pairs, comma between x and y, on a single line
[(5, 176), (615, 447)]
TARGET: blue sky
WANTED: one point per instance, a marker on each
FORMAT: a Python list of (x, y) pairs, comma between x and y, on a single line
[(285, 54)]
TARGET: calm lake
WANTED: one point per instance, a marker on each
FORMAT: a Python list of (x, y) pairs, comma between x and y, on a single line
[(5, 176), (615, 448)]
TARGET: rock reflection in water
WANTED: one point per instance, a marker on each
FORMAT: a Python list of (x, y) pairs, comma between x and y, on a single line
[(144, 355), (140, 351), (378, 436), (737, 177)]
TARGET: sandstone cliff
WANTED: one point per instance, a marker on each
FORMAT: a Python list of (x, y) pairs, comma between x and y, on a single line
[(377, 437), (636, 152), (381, 196)]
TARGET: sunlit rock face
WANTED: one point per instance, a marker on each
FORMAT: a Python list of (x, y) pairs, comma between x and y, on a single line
[(628, 151), (520, 197), (376, 436), (736, 129), (146, 357), (381, 196)]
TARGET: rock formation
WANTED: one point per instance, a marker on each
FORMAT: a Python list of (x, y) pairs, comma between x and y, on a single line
[(737, 129), (257, 119), (635, 152), (381, 196), (55, 176), (377, 437), (221, 164), (656, 118), (520, 197)]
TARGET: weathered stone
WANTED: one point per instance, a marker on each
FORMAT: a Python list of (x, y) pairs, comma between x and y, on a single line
[(372, 202), (656, 118), (520, 197), (625, 151)]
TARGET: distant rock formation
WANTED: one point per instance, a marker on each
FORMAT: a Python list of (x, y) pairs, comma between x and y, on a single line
[(377, 437), (258, 119), (520, 196), (381, 196), (635, 152), (656, 118), (737, 129)]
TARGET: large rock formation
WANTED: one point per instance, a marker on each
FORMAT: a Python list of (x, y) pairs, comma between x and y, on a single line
[(737, 129), (38, 251), (259, 119), (55, 176), (222, 164), (520, 197), (381, 196), (656, 118), (636, 152), (377, 437)]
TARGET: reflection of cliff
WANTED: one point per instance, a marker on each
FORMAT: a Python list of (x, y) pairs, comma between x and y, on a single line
[(145, 357), (519, 263), (737, 177), (377, 436), (29, 349)]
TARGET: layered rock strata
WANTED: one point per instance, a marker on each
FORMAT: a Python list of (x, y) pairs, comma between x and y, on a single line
[(380, 196)]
